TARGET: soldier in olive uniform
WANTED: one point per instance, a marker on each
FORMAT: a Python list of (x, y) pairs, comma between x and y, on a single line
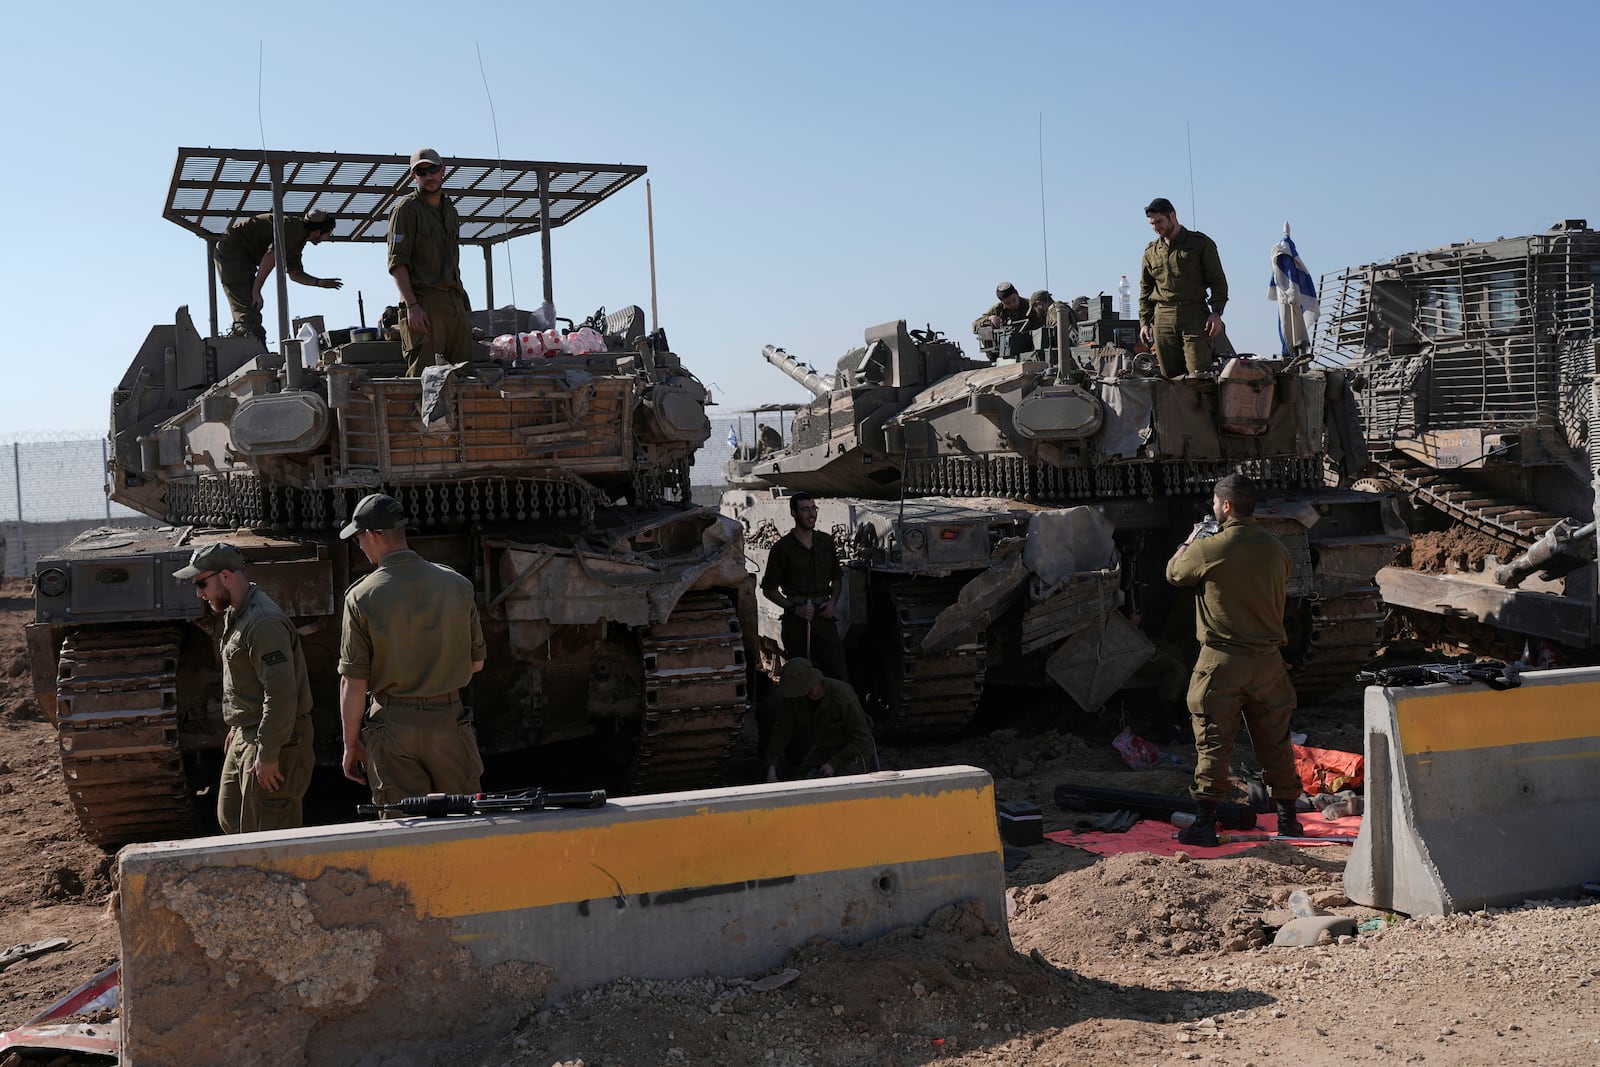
[(1178, 269), (411, 641), (245, 258), (804, 578), (266, 698), (1241, 574), (425, 261), (1008, 308), (820, 729), (1041, 310)]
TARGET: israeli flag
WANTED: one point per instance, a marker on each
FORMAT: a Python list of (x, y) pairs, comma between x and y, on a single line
[(1293, 290), (733, 438)]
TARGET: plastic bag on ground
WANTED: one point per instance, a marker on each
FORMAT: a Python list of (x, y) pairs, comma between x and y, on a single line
[(1141, 755)]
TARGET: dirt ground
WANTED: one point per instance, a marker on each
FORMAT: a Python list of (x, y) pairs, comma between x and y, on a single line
[(1131, 959)]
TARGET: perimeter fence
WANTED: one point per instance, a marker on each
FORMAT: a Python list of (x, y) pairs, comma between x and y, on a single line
[(52, 488)]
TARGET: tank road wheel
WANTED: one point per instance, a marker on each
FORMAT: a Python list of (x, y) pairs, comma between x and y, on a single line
[(117, 723), (694, 695), (913, 693)]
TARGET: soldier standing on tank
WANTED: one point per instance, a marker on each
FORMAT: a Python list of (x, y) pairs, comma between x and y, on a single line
[(411, 640), (1178, 269), (425, 261), (819, 728), (804, 578), (245, 258), (1241, 575), (266, 698)]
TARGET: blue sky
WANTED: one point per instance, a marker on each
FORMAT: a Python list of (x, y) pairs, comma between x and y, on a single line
[(816, 168)]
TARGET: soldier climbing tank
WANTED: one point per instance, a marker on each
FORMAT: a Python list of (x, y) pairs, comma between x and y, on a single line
[(1477, 368), (1010, 518), (557, 484)]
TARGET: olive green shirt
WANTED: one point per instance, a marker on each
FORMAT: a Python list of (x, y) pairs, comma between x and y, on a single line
[(265, 686), (1019, 316), (426, 241), (837, 725), (801, 572), (252, 238), (1242, 572), (1180, 273), (411, 629)]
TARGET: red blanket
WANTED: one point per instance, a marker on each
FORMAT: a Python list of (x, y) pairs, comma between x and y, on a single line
[(1161, 838)]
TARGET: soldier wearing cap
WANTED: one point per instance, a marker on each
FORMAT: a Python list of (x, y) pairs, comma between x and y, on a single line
[(245, 258), (1178, 270), (820, 729), (804, 578), (266, 697), (411, 641), (1008, 308), (1041, 310), (425, 261)]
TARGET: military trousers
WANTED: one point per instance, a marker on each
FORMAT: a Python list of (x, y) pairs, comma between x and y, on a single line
[(449, 330), (237, 273), (1180, 340), (417, 748), (244, 805), (817, 640), (1230, 688)]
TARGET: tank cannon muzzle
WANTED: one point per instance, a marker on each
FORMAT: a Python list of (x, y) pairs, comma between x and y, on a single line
[(816, 384)]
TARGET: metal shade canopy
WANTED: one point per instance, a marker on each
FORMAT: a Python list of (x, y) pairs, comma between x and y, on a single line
[(498, 199)]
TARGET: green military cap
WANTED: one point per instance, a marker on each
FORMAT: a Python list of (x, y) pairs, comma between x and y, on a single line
[(216, 556), (1041, 294), (425, 155), (375, 512), (318, 219), (1004, 289), (798, 678)]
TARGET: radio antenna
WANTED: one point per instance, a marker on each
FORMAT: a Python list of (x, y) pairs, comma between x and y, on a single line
[(1194, 218), (500, 161), (1044, 233)]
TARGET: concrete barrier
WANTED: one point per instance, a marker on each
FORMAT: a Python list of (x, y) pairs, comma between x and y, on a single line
[(1478, 798), (344, 944)]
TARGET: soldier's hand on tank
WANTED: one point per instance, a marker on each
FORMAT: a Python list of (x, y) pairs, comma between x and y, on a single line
[(332, 283), (355, 762), (1213, 325), (416, 318), (995, 320), (268, 775)]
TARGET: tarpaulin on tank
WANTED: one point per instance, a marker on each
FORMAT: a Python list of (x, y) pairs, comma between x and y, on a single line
[(1129, 405), (1062, 543)]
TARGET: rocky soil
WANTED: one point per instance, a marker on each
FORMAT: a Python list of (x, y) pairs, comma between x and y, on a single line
[(1128, 959)]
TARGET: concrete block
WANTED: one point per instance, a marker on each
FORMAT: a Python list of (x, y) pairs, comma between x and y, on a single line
[(353, 944)]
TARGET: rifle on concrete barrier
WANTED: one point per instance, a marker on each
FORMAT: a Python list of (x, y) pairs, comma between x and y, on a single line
[(1491, 672), (436, 805)]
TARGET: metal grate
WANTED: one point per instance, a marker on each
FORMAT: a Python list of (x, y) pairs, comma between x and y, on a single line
[(498, 199)]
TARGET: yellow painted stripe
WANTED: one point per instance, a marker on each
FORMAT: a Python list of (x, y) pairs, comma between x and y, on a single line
[(451, 877), (1457, 720)]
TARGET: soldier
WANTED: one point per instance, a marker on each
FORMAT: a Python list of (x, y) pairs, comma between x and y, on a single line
[(266, 698), (1179, 266), (821, 720), (245, 258), (804, 578), (425, 260), (1241, 573), (411, 640), (1008, 308), (1041, 310)]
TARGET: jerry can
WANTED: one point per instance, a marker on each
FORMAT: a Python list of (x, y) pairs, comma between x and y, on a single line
[(1245, 391)]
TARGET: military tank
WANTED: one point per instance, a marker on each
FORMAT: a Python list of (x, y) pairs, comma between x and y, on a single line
[(1477, 369), (1011, 518), (558, 485)]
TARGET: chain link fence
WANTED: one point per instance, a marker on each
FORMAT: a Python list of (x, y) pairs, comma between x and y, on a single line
[(52, 488)]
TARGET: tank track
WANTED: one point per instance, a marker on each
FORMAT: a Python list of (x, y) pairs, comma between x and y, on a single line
[(1345, 632), (1505, 519), (923, 695), (695, 695), (117, 723)]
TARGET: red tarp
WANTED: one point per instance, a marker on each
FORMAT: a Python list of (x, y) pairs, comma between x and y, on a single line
[(1161, 838)]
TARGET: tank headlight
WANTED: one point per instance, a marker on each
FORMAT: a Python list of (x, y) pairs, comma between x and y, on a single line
[(52, 581)]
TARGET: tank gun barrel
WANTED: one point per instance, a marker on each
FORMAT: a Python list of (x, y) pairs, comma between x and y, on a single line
[(816, 384)]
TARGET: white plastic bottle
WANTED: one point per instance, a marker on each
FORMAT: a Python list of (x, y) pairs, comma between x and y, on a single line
[(310, 351), (1125, 299)]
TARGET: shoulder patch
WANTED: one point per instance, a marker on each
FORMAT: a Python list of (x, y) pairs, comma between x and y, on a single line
[(274, 659)]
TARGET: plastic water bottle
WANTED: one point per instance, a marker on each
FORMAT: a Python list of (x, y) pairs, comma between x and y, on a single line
[(310, 351), (1125, 298), (1300, 904)]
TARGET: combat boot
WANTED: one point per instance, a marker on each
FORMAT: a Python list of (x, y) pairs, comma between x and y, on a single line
[(1288, 821), (1203, 831)]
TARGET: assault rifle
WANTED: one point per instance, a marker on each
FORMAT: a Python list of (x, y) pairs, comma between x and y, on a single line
[(1491, 672), (436, 805)]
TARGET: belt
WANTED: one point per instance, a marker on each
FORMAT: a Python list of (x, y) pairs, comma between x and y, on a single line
[(1175, 303), (443, 700)]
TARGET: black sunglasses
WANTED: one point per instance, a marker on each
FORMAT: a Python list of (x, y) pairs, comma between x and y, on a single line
[(200, 582), (425, 171)]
